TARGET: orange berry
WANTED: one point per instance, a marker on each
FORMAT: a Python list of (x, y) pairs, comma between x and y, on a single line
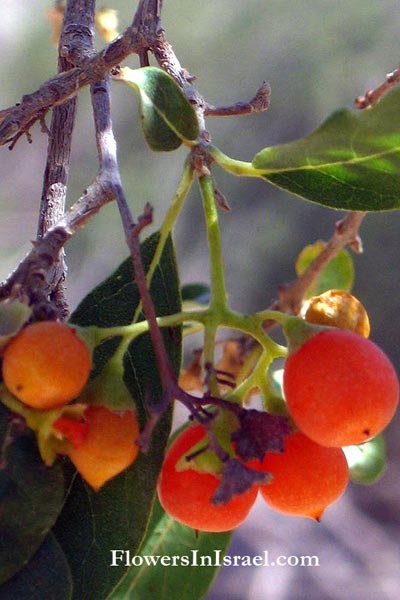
[(46, 365), (306, 477), (186, 495), (109, 447), (340, 388)]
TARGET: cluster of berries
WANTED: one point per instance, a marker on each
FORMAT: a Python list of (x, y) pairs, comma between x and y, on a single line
[(340, 390), (46, 366)]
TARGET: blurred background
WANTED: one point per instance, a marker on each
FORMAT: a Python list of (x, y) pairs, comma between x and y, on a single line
[(317, 56)]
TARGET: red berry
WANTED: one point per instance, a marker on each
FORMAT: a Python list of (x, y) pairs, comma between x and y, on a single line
[(340, 388), (74, 431), (186, 495), (306, 477)]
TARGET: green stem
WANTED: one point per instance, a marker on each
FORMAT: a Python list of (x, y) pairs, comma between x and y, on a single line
[(218, 300), (210, 333), (170, 219), (251, 325), (236, 167), (209, 318), (249, 364), (135, 329), (218, 314), (218, 291), (273, 315), (255, 379), (167, 226)]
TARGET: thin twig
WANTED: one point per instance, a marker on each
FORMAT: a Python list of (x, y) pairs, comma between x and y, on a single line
[(75, 46), (142, 34), (100, 192), (292, 295), (102, 189), (45, 251), (373, 96), (168, 61), (132, 232), (76, 43), (40, 259), (259, 103)]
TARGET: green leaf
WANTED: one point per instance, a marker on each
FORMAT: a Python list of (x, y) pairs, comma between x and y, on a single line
[(168, 118), (167, 541), (367, 462), (196, 292), (115, 301), (351, 162), (338, 273), (31, 497), (47, 575), (92, 524)]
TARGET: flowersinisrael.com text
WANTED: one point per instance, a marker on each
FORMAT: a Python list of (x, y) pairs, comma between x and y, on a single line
[(215, 559)]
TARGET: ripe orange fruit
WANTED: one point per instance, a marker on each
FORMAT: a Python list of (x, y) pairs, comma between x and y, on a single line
[(340, 388), (46, 365), (306, 477), (109, 447)]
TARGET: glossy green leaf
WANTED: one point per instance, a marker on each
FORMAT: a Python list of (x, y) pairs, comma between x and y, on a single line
[(115, 301), (168, 118), (92, 524), (367, 462), (46, 576), (31, 497), (351, 162), (338, 273)]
